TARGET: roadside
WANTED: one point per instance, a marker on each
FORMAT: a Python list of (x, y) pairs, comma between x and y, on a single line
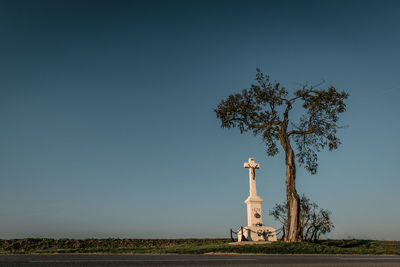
[(195, 246)]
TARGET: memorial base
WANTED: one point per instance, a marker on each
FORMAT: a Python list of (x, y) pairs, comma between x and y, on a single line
[(257, 233)]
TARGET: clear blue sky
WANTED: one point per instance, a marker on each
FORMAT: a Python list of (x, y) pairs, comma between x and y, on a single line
[(107, 123)]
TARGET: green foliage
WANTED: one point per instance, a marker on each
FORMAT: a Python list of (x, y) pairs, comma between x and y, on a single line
[(255, 110), (195, 246), (264, 110), (323, 107), (46, 245), (314, 221)]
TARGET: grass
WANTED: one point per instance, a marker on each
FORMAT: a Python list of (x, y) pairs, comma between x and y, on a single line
[(194, 246)]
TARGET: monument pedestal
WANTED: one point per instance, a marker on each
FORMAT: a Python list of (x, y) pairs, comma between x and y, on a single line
[(256, 231)]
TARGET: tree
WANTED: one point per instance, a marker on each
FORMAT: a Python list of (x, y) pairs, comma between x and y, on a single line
[(314, 221), (264, 110)]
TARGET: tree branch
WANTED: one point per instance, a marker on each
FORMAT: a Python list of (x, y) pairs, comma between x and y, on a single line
[(310, 129), (286, 113), (257, 126)]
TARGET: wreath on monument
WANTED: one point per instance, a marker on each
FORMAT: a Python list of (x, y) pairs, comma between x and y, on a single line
[(257, 215), (260, 232)]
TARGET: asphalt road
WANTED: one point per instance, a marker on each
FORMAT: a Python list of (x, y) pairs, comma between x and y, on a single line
[(195, 260)]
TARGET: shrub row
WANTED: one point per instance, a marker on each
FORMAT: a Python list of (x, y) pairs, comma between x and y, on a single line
[(30, 244)]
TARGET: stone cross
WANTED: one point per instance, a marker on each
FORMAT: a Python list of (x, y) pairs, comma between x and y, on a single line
[(251, 165), (255, 229)]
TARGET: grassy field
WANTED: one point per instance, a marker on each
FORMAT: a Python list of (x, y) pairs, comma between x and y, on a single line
[(194, 246)]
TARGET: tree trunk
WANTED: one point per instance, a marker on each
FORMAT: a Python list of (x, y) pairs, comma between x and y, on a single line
[(306, 236), (302, 223), (293, 200), (314, 234)]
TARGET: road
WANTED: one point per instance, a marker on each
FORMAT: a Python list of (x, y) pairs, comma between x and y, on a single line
[(61, 260)]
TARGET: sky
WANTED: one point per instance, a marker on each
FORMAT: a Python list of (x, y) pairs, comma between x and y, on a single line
[(108, 129)]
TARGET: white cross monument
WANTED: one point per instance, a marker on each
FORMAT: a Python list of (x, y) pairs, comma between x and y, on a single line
[(255, 230)]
